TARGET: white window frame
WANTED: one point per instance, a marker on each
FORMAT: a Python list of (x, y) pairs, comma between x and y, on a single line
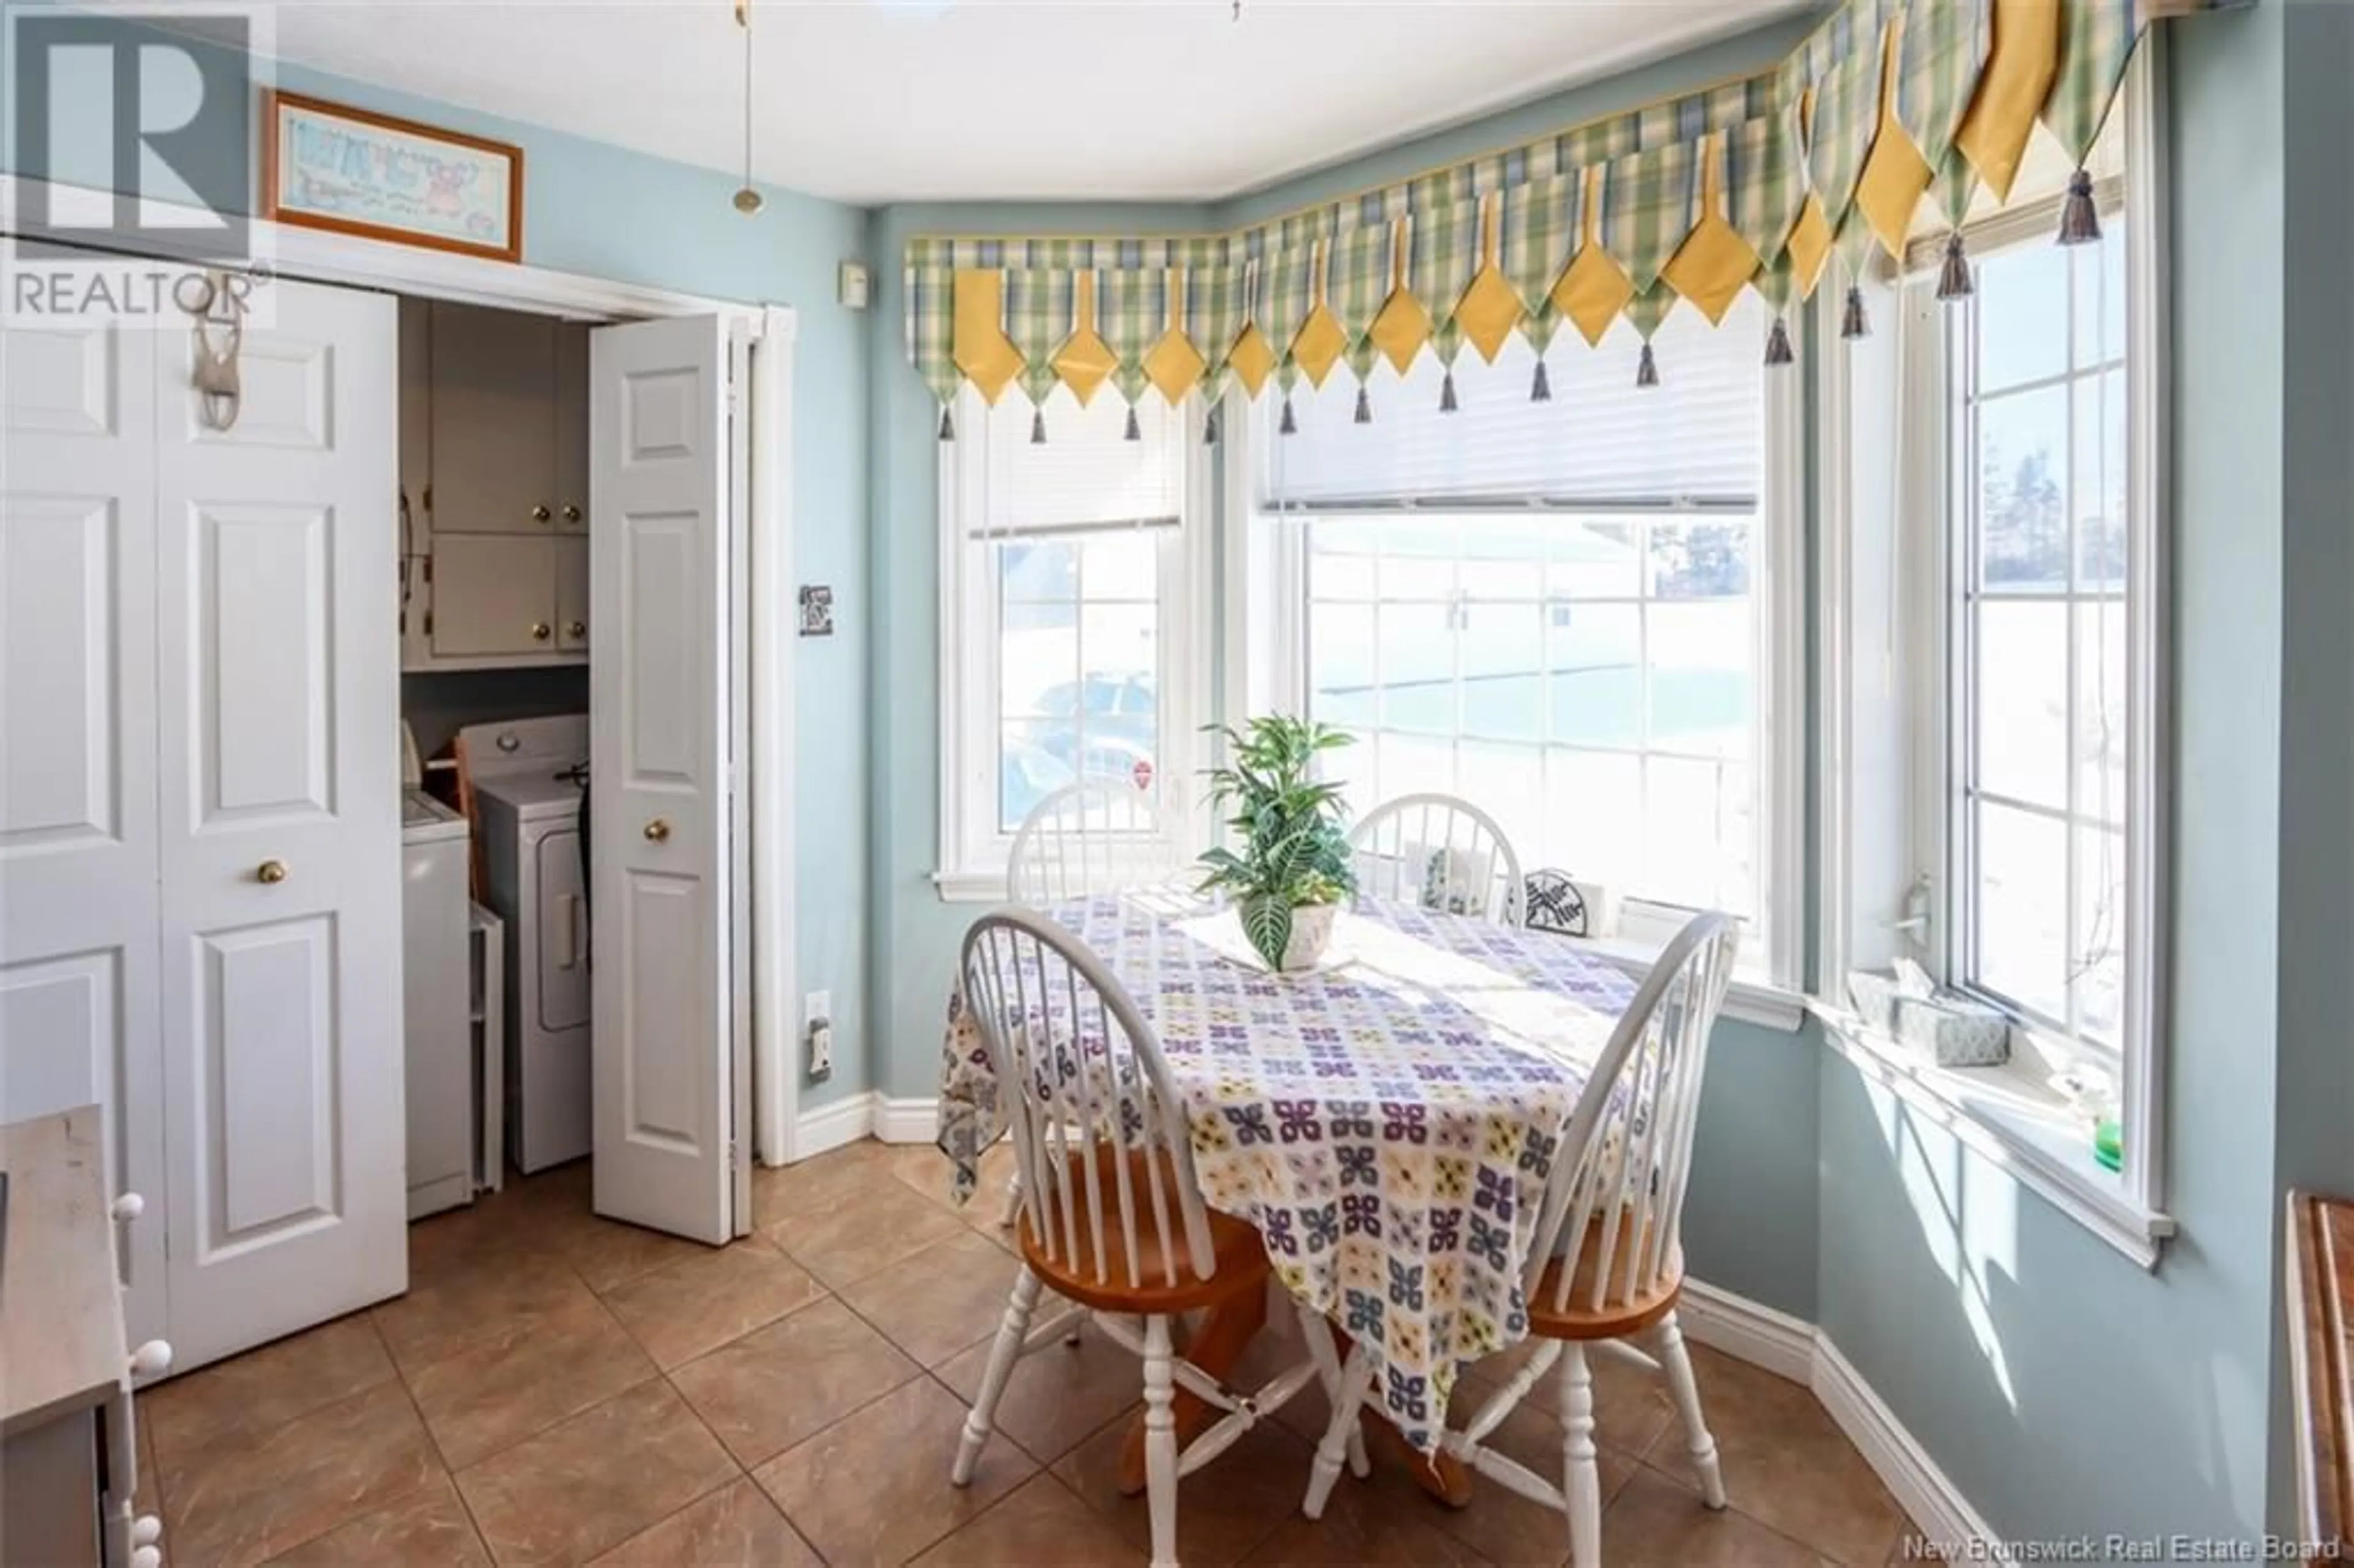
[(1266, 643), (1888, 752), (973, 850)]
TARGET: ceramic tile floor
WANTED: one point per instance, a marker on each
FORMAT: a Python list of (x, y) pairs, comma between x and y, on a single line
[(556, 1388)]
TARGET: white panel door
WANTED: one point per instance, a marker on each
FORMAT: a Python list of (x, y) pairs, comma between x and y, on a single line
[(281, 828), (658, 674), (78, 853)]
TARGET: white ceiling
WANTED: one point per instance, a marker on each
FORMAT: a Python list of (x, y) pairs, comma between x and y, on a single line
[(884, 101)]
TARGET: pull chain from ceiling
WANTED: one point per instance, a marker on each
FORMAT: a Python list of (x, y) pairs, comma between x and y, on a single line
[(748, 199)]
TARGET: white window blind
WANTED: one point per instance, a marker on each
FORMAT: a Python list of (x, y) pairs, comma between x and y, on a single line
[(1085, 474), (1600, 443)]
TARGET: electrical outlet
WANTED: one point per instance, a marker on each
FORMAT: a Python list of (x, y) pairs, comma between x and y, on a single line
[(817, 1026)]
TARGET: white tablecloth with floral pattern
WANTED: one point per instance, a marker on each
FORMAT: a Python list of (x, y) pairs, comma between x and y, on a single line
[(1387, 1121)]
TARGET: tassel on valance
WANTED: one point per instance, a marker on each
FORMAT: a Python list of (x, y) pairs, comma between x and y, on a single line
[(1758, 184)]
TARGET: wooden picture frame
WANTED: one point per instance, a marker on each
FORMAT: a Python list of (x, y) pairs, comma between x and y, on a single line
[(383, 177)]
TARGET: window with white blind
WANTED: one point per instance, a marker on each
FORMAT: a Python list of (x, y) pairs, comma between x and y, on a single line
[(1063, 620), (1567, 611)]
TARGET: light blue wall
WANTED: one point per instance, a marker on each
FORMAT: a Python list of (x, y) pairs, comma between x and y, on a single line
[(2061, 1387)]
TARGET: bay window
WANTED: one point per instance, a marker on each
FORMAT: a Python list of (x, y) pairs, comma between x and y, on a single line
[(1568, 612)]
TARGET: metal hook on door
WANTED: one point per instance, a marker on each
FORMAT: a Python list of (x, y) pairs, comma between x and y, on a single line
[(214, 299)]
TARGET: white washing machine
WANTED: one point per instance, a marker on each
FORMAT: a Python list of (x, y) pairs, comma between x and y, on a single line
[(437, 987), (526, 777)]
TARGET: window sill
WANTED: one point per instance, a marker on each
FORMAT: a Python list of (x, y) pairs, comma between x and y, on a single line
[(970, 887), (1751, 998), (2007, 1115)]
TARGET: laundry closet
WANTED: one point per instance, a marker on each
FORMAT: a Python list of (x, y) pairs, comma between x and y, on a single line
[(495, 628)]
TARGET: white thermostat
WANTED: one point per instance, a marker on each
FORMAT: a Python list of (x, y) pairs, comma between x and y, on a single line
[(852, 286)]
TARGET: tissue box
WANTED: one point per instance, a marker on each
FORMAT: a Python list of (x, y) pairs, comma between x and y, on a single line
[(1873, 996), (1955, 1032)]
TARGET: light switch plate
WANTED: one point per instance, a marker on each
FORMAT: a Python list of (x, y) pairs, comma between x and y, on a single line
[(852, 285)]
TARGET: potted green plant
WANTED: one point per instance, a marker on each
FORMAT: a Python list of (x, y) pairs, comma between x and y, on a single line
[(1292, 869)]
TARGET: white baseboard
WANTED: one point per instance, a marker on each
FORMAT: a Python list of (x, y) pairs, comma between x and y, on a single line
[(907, 1120), (1747, 1331), (1800, 1352), (846, 1120), (1904, 1467), (870, 1115)]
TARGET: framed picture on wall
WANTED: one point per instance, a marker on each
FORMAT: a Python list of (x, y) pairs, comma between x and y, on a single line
[(328, 166)]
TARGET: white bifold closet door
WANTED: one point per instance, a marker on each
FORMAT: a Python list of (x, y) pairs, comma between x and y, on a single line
[(78, 840), (662, 488), (200, 835), (284, 1079)]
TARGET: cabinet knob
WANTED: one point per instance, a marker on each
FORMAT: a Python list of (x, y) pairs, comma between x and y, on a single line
[(539, 632), (146, 1530), (658, 830), (147, 1557), (128, 1207), (571, 514), (151, 1359), (540, 513), (272, 871), (576, 630)]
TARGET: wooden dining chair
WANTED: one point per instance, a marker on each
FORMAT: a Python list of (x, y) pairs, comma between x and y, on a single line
[(1085, 839), (1112, 1219), (1606, 1262), (1439, 851)]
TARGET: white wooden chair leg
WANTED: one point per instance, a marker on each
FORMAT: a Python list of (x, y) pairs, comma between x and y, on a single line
[(1581, 1474), (1347, 1401), (1328, 1377), (1676, 1362), (1012, 1209), (983, 1416), (1160, 1440)]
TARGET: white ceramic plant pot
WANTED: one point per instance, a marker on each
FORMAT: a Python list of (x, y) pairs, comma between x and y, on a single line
[(1311, 934)]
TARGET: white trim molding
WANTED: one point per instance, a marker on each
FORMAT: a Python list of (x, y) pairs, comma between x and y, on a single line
[(326, 257), (834, 1125), (885, 1118), (1952, 1529)]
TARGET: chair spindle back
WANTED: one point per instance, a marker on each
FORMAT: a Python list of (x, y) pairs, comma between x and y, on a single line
[(1085, 839), (1627, 1153), (1440, 853), (1097, 1129)]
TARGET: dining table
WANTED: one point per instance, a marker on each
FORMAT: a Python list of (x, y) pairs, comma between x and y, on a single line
[(1386, 1118)]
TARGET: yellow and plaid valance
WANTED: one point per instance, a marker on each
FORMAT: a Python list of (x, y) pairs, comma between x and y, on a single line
[(1763, 182)]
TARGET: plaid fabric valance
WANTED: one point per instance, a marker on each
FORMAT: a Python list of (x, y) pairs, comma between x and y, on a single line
[(1760, 184)]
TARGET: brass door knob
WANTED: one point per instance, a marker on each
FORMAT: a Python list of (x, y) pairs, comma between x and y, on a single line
[(571, 514), (576, 630), (540, 513), (539, 632), (271, 871), (658, 830)]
